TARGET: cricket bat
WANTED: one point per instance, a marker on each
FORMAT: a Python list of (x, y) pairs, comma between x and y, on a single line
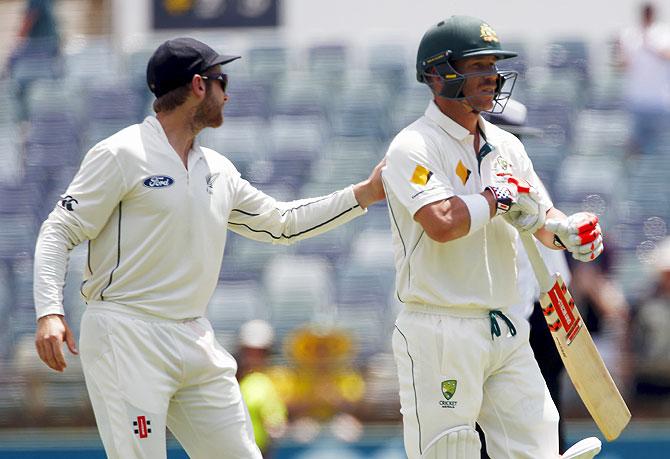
[(585, 367)]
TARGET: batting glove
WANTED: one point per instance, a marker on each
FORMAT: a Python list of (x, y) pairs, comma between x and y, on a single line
[(506, 190), (528, 214), (580, 234), (519, 203)]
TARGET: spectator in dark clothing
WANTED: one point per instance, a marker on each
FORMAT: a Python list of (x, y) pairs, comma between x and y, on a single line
[(37, 52)]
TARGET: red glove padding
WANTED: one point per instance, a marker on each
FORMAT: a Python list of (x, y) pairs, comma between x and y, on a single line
[(580, 233)]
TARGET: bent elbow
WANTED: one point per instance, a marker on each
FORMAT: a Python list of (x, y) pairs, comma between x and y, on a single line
[(442, 234)]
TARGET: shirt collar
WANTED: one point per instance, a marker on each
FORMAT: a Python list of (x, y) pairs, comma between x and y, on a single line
[(450, 126), (153, 122)]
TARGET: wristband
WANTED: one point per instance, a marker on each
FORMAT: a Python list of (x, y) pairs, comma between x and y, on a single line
[(503, 198), (480, 212)]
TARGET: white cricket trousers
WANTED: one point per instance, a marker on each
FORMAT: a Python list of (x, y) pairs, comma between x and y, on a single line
[(453, 373), (143, 374)]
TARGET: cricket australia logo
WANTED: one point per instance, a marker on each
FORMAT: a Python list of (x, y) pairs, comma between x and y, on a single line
[(142, 426), (68, 203), (502, 166), (210, 179), (487, 33), (448, 390)]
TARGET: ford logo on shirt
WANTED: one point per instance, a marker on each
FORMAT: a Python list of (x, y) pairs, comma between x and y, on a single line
[(158, 181)]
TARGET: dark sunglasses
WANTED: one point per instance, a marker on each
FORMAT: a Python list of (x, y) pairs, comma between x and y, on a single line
[(222, 77)]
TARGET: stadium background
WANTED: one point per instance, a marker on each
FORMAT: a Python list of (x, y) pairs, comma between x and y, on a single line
[(314, 103)]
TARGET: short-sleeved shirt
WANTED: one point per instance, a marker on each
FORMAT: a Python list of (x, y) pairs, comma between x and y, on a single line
[(647, 71), (157, 229), (433, 159)]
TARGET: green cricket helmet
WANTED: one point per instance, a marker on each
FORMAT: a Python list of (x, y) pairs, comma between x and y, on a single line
[(457, 38)]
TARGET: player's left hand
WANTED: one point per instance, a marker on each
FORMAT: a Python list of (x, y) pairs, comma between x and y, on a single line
[(580, 233)]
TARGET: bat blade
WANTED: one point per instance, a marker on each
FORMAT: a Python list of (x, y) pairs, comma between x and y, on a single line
[(581, 358)]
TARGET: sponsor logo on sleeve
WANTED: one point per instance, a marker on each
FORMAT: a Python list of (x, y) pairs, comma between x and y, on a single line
[(68, 203), (421, 175), (158, 181)]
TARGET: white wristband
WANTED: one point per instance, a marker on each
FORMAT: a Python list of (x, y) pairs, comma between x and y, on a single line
[(480, 212)]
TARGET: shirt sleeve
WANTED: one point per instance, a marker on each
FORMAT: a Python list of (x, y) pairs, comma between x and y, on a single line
[(81, 214), (258, 216), (527, 172), (414, 179), (658, 38)]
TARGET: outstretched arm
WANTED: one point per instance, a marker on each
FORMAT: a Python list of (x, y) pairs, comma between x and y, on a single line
[(260, 217)]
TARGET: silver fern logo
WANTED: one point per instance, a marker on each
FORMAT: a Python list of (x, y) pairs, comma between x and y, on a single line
[(210, 179)]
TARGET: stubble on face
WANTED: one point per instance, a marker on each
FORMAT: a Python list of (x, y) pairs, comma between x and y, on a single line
[(208, 114), (479, 90)]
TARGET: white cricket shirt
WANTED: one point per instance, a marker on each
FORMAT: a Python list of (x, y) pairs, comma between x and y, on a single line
[(157, 230), (434, 159), (647, 83)]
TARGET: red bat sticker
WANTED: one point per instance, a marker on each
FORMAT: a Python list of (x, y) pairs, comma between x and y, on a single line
[(564, 310)]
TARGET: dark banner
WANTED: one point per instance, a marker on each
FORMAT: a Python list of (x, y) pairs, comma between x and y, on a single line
[(197, 14)]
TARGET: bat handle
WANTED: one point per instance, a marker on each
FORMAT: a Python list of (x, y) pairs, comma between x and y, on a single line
[(544, 277)]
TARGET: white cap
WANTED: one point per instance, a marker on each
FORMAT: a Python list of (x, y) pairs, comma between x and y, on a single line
[(662, 257), (515, 113), (256, 334), (513, 119)]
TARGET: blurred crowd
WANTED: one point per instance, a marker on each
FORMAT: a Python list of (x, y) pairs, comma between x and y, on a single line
[(311, 324)]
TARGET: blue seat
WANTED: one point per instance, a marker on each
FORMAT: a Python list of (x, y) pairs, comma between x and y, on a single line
[(518, 63), (386, 65), (606, 92), (335, 245), (268, 62), (46, 97), (357, 285), (329, 61), (120, 103), (232, 304), (95, 60), (63, 154), (568, 56), (602, 132), (247, 99), (408, 106), (298, 289), (555, 119), (297, 133)]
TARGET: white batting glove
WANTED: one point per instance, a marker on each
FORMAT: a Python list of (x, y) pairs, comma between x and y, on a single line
[(519, 203), (580, 234), (506, 190), (528, 214)]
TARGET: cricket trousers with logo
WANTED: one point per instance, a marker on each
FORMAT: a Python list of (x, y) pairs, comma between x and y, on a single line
[(144, 374), (454, 371)]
